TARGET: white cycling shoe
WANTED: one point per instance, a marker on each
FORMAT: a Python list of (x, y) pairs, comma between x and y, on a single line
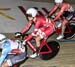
[(60, 37), (33, 55)]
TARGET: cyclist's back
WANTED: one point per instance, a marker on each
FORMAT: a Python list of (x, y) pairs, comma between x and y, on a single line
[(12, 51)]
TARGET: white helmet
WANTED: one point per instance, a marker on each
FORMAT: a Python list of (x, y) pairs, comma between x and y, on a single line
[(2, 38), (58, 1), (32, 11)]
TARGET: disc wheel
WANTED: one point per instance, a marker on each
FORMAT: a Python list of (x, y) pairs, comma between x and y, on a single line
[(72, 33), (55, 49)]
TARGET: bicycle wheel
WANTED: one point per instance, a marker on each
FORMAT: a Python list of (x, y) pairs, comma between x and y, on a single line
[(55, 49), (72, 33)]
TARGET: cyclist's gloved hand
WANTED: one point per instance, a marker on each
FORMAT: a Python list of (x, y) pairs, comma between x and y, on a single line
[(51, 16), (24, 42), (33, 34), (18, 34)]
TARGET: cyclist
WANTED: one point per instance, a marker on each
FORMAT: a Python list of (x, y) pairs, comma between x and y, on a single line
[(12, 51), (64, 12), (43, 28)]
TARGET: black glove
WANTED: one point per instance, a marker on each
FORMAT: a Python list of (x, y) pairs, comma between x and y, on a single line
[(18, 34), (51, 17)]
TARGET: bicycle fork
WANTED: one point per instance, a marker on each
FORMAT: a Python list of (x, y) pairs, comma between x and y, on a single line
[(31, 46)]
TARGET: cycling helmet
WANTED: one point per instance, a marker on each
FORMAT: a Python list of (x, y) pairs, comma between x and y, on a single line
[(58, 1), (2, 38), (32, 11)]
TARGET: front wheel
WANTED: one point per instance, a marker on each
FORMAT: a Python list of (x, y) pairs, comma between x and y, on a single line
[(55, 49)]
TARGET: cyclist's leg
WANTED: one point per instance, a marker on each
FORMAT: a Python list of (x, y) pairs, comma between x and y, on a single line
[(64, 25), (37, 39), (64, 22), (14, 60), (42, 33), (5, 64), (35, 54)]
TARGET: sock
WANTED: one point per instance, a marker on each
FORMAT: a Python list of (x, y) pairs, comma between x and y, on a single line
[(37, 49)]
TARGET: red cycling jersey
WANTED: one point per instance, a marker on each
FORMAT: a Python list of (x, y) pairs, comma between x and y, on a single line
[(45, 25), (61, 8)]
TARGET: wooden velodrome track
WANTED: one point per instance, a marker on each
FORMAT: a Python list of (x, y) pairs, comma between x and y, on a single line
[(65, 57)]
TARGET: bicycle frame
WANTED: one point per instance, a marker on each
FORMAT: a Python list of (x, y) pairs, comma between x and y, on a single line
[(41, 45), (58, 30)]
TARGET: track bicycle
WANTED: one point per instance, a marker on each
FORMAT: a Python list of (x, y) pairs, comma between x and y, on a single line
[(48, 49)]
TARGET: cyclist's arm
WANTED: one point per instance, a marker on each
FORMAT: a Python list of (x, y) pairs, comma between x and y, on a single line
[(60, 13), (5, 51), (29, 37), (37, 25), (53, 10), (26, 27)]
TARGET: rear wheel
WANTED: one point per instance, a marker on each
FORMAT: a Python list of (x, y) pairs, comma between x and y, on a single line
[(55, 49), (72, 33)]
